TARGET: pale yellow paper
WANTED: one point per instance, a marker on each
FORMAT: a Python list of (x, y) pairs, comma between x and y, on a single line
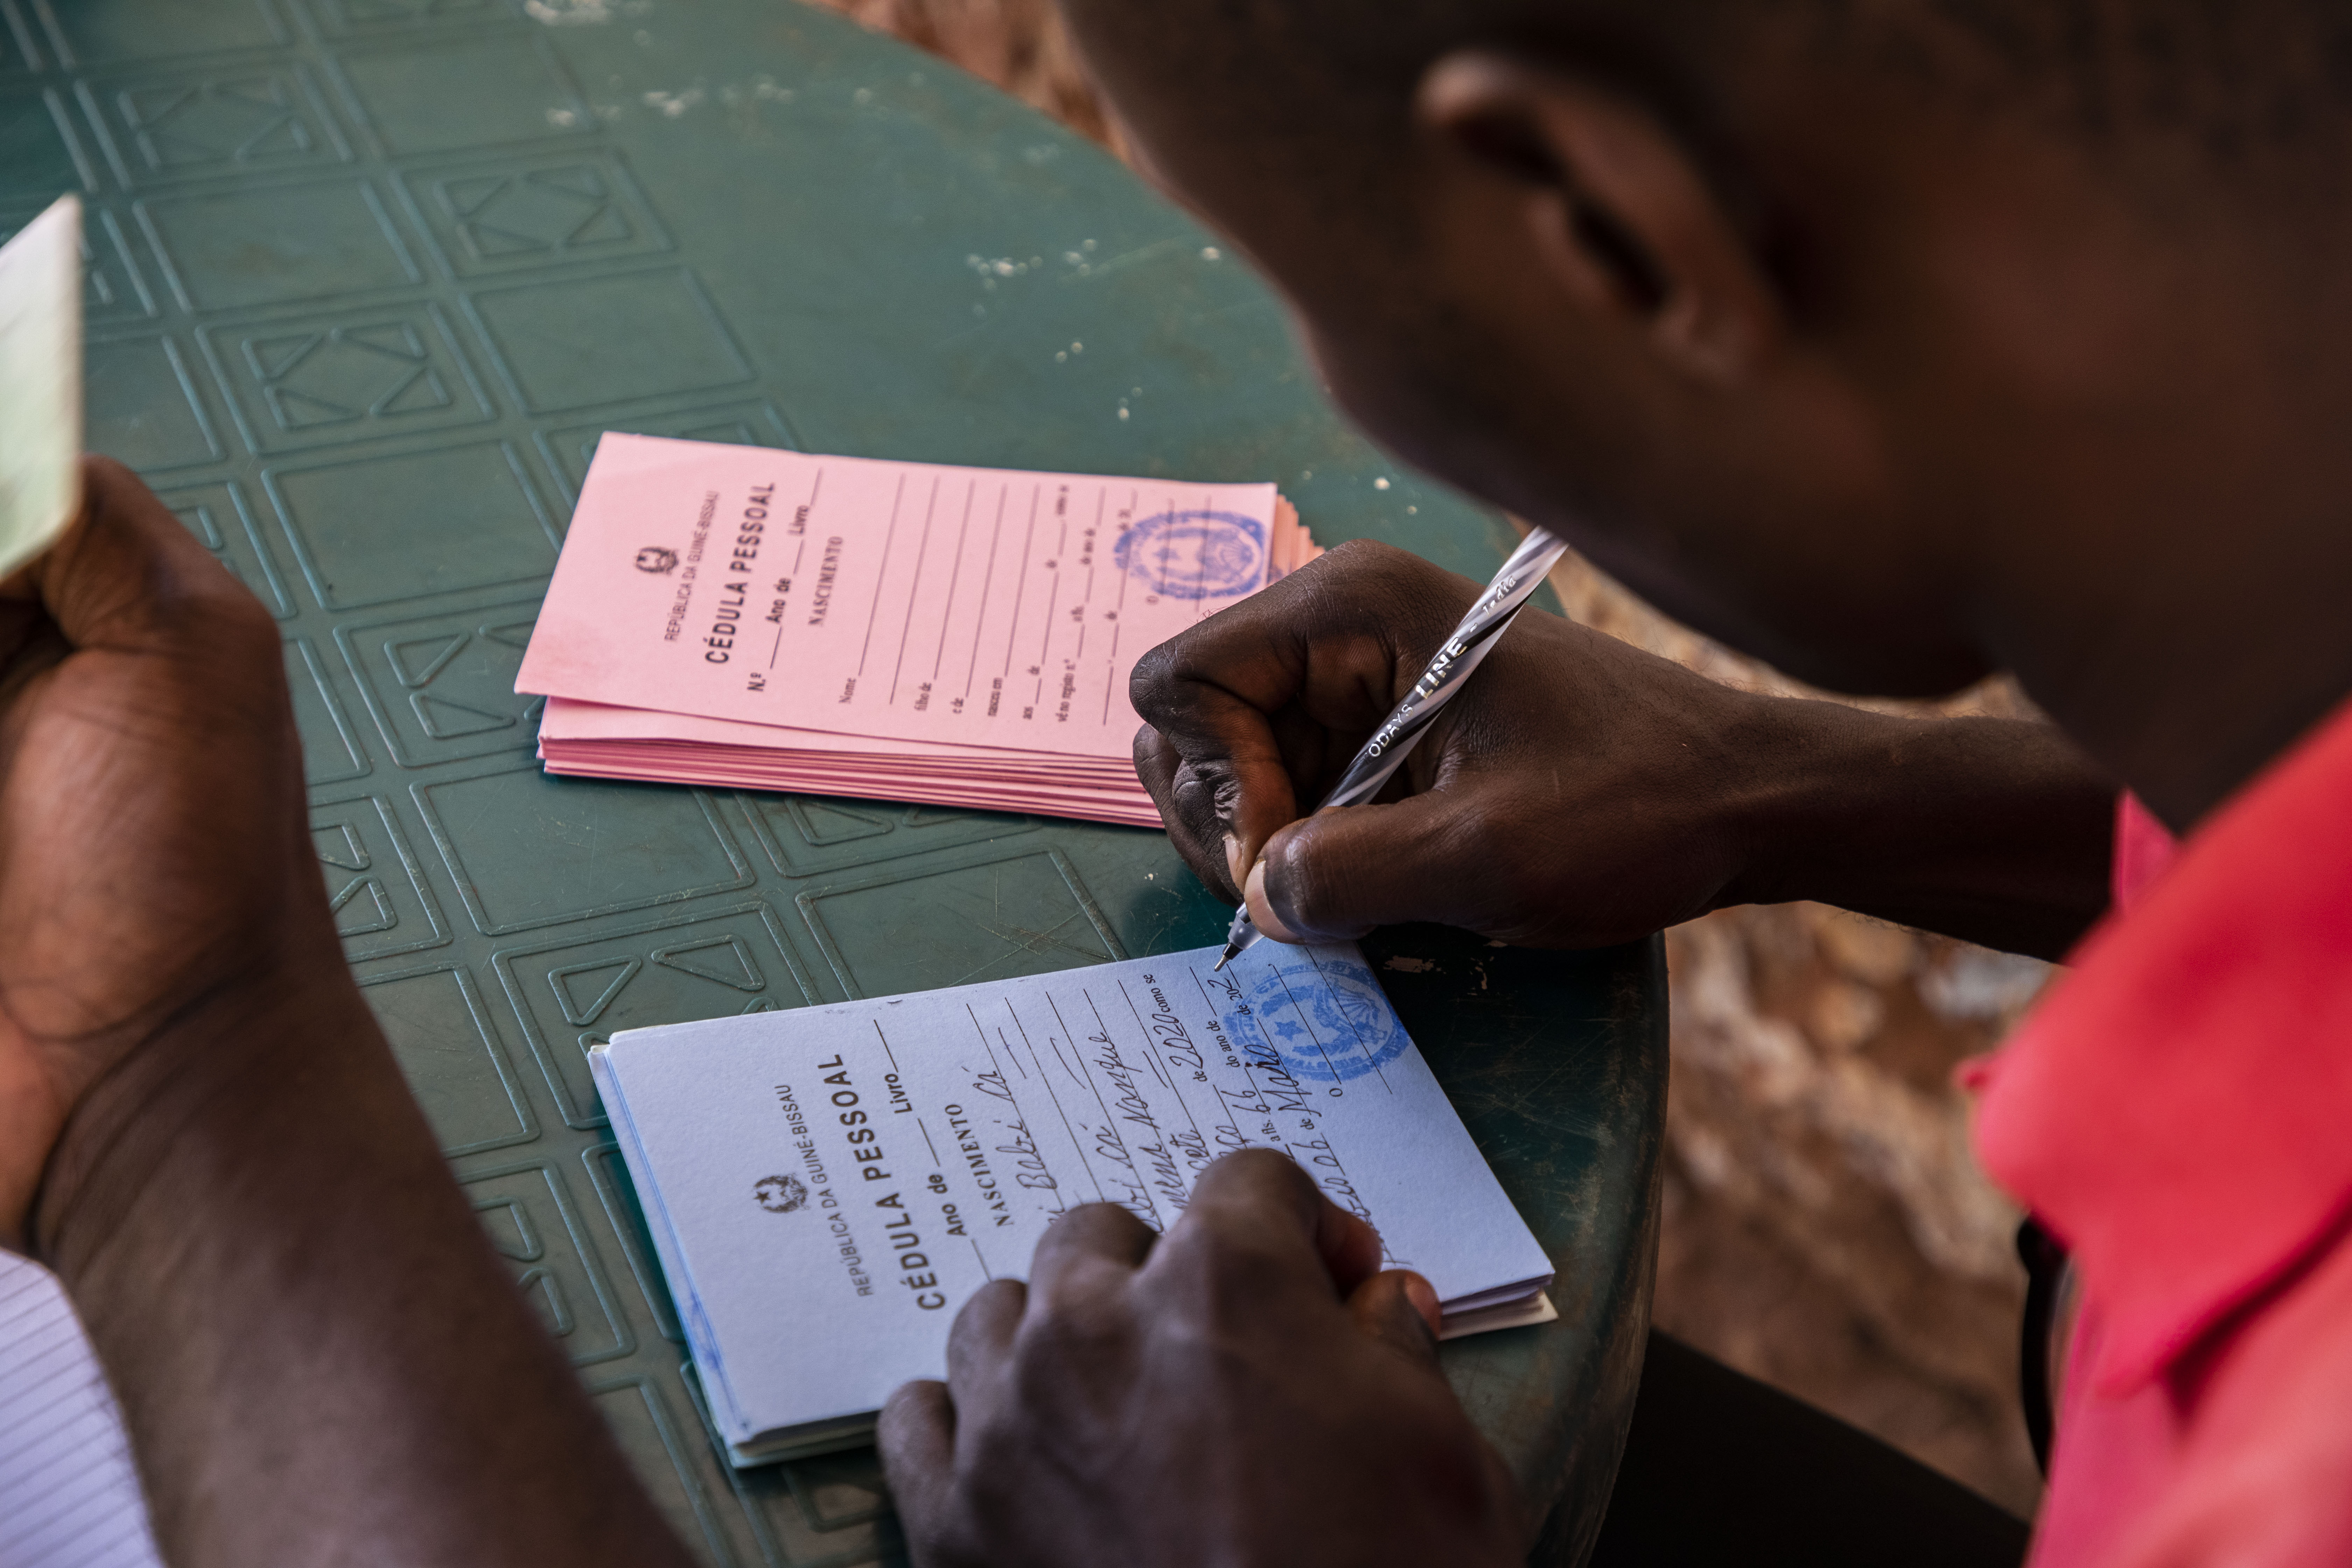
[(40, 382)]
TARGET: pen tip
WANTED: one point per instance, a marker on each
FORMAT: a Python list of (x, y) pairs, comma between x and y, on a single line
[(1223, 958)]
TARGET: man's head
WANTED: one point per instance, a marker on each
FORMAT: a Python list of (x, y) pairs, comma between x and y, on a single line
[(1877, 336)]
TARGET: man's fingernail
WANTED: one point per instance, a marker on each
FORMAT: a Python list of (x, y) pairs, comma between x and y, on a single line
[(1235, 867), (1261, 913), (1423, 1296)]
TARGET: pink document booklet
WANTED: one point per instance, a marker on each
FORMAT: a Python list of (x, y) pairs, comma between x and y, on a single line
[(754, 618)]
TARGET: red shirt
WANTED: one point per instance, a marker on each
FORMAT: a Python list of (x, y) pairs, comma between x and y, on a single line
[(2179, 1114)]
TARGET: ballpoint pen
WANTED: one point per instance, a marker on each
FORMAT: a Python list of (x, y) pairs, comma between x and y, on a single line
[(1462, 654)]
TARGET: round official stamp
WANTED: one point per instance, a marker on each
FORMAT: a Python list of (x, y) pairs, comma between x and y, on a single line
[(1195, 554), (780, 1194), (1327, 1019)]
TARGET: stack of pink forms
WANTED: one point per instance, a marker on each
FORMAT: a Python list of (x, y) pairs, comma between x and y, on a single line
[(750, 618)]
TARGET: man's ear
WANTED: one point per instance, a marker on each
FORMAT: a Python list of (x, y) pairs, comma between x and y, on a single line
[(1622, 214)]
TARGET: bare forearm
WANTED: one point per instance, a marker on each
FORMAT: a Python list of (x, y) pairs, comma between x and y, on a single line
[(319, 1357), (1995, 831)]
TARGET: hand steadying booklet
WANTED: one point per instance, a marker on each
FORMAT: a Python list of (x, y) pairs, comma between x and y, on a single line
[(743, 616), (826, 1187)]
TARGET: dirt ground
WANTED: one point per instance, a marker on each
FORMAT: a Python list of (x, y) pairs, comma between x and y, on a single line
[(1826, 1228)]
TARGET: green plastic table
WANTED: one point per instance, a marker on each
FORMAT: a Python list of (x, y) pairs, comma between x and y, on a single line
[(366, 280)]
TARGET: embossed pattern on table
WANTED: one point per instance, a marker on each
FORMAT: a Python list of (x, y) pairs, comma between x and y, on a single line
[(365, 281)]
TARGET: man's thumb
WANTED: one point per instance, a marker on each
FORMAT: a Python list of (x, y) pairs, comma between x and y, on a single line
[(1345, 871)]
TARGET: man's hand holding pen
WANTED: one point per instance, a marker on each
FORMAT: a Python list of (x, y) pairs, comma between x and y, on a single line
[(1571, 768)]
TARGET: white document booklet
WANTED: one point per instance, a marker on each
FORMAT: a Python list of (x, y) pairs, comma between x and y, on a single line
[(40, 382), (826, 1187)]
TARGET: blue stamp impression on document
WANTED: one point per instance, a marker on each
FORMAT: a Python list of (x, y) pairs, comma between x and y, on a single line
[(1322, 1020), (1195, 554)]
